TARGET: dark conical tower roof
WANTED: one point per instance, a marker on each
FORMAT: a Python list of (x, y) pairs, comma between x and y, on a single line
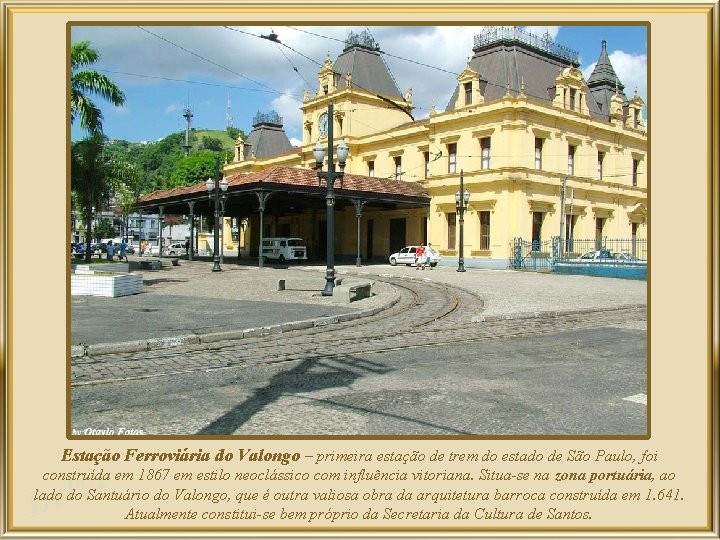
[(604, 72), (603, 82), (267, 138), (362, 58)]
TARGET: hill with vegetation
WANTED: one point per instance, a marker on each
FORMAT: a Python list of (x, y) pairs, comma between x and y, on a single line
[(163, 164)]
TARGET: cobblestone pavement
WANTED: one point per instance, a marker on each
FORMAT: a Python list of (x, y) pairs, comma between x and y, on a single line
[(432, 313), (424, 365)]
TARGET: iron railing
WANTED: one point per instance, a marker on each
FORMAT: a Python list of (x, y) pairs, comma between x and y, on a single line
[(542, 255), (267, 118), (625, 248), (493, 34), (532, 255)]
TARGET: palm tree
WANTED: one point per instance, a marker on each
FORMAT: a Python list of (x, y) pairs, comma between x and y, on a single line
[(93, 179), (83, 83)]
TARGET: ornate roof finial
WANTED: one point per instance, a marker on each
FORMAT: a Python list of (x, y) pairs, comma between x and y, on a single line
[(328, 61), (522, 86)]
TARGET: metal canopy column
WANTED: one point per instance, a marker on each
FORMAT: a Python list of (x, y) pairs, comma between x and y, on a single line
[(192, 230), (241, 234), (262, 199), (359, 204), (141, 231), (160, 224)]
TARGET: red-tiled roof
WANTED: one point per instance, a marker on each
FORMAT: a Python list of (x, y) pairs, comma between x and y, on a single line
[(282, 175)]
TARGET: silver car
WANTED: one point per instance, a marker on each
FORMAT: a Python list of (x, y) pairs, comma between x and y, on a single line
[(176, 248)]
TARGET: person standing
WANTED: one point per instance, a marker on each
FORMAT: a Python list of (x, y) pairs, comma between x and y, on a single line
[(110, 250), (123, 251), (428, 256), (420, 257)]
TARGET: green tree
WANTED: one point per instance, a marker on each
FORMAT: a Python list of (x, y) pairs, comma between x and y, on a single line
[(93, 178), (234, 132), (212, 143), (193, 169), (129, 189), (104, 229), (84, 83)]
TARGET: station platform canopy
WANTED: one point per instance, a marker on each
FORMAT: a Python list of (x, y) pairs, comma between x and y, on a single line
[(287, 190)]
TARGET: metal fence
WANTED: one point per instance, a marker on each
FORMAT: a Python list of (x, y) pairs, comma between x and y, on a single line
[(532, 255), (631, 248), (542, 255)]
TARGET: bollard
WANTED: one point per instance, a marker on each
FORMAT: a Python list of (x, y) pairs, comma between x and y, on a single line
[(281, 285)]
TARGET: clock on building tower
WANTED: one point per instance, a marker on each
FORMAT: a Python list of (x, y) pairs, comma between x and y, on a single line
[(323, 124)]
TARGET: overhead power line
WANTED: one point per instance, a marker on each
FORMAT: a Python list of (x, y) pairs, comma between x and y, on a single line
[(274, 38), (186, 81), (406, 109), (207, 59)]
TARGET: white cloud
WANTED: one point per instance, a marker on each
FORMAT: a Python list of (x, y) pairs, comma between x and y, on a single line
[(186, 64), (288, 108), (121, 111), (173, 107), (632, 71)]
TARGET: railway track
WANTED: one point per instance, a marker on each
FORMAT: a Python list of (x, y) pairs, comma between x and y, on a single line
[(426, 314)]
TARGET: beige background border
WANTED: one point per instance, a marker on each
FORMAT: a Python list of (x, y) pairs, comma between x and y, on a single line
[(680, 162)]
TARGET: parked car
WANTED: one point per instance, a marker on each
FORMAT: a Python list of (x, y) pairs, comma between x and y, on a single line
[(407, 256), (596, 255), (605, 255), (625, 256), (176, 248), (130, 249)]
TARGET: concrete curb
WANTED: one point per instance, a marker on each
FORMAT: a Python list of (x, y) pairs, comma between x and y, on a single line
[(553, 313), (85, 350)]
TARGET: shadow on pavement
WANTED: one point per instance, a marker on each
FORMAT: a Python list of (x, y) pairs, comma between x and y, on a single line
[(298, 379)]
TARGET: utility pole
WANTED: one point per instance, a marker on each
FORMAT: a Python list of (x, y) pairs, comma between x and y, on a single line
[(187, 114), (228, 114)]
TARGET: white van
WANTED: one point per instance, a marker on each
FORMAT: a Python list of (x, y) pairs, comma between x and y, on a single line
[(284, 249)]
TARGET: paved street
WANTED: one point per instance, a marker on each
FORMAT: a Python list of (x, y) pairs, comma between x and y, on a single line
[(437, 360)]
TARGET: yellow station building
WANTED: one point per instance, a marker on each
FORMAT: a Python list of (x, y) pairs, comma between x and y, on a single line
[(542, 152)]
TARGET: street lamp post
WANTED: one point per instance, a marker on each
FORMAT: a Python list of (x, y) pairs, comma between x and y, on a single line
[(561, 248), (462, 198), (214, 188), (330, 176)]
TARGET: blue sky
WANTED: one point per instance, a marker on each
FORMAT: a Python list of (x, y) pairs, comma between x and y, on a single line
[(164, 69)]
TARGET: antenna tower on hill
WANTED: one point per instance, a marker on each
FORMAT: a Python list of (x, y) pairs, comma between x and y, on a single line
[(228, 114), (187, 113)]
